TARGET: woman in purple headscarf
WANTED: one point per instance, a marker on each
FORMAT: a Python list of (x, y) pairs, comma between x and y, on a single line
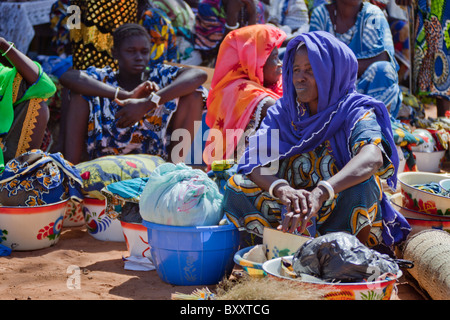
[(315, 164)]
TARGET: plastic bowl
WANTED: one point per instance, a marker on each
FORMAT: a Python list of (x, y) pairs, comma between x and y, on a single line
[(136, 238), (100, 225), (420, 221), (281, 244), (420, 200), (74, 215), (31, 228), (192, 255), (374, 290), (254, 269), (445, 184), (429, 161)]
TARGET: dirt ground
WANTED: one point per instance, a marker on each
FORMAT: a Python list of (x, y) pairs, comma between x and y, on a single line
[(46, 273)]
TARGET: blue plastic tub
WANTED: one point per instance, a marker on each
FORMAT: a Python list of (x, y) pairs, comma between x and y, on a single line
[(190, 256)]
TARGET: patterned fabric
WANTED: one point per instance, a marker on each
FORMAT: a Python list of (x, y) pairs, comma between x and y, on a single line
[(99, 173), (210, 23), (347, 212), (368, 37), (432, 49), (148, 136), (92, 42), (37, 178), (237, 85), (292, 13), (58, 23), (405, 140), (183, 22), (163, 38)]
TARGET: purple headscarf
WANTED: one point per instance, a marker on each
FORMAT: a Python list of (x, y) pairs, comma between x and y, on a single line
[(339, 108)]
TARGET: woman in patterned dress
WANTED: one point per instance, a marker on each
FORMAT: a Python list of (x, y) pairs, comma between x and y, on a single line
[(24, 87), (365, 29), (118, 112), (315, 164)]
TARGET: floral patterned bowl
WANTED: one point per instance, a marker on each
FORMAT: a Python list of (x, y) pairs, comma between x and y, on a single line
[(100, 225), (74, 215), (420, 200), (379, 289), (420, 221), (31, 228)]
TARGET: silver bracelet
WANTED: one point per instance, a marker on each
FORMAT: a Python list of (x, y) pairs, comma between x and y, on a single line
[(328, 187), (10, 47), (233, 27), (274, 184), (116, 95)]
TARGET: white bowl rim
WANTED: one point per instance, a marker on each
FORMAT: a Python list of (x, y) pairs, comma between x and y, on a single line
[(440, 184), (42, 206), (439, 151), (334, 284), (422, 173), (239, 256), (439, 217)]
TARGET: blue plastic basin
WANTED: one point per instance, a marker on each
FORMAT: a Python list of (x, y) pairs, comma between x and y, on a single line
[(192, 255)]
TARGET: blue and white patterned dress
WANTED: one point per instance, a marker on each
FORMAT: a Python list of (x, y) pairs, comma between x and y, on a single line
[(367, 38), (148, 136)]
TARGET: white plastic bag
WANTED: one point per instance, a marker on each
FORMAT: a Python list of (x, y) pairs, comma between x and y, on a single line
[(178, 195)]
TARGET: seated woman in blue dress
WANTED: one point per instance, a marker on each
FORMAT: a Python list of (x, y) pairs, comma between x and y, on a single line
[(315, 164), (365, 29), (134, 110)]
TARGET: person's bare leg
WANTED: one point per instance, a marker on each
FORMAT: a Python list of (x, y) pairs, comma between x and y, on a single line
[(76, 128), (189, 110), (443, 105), (363, 234)]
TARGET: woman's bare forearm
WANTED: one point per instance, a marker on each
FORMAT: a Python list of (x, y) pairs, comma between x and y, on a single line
[(24, 65), (360, 168), (79, 82)]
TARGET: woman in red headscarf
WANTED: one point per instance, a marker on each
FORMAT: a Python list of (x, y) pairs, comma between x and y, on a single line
[(246, 82)]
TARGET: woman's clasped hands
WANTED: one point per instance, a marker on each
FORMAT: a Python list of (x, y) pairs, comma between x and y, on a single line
[(301, 205), (136, 105)]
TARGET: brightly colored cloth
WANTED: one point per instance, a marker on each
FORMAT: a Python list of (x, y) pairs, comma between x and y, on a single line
[(93, 40), (237, 86), (147, 136), (368, 37), (19, 105), (37, 178), (432, 49), (162, 35), (210, 23), (101, 172), (340, 107), (348, 212), (183, 22)]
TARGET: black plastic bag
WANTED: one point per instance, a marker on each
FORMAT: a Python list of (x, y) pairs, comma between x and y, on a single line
[(341, 257)]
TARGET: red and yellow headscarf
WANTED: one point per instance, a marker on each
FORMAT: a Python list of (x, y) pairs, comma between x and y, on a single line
[(238, 82)]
